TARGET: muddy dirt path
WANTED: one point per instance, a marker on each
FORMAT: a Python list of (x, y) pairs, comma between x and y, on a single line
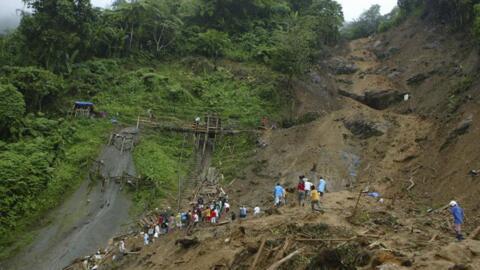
[(85, 221)]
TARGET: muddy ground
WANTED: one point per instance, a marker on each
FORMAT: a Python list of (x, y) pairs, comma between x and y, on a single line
[(85, 221)]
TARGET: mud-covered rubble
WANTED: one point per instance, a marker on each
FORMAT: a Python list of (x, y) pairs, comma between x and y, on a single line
[(339, 65)]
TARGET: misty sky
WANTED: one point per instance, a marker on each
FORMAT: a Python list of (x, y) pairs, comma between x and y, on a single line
[(351, 9)]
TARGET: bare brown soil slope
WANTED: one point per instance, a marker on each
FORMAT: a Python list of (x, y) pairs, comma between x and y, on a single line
[(417, 153)]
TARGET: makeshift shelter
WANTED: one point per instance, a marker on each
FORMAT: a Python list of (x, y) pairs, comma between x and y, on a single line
[(83, 109)]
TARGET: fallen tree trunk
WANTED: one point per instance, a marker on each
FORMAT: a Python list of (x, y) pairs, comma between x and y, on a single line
[(288, 257), (282, 251), (252, 267), (475, 233)]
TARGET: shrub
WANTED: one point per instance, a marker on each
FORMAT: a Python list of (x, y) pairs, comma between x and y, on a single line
[(12, 105)]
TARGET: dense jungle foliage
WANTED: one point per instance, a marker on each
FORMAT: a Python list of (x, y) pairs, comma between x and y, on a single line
[(175, 58)]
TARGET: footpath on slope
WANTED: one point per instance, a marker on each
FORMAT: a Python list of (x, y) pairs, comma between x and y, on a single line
[(91, 216)]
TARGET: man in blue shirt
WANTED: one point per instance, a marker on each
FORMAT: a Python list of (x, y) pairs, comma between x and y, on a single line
[(458, 216), (278, 194), (322, 186)]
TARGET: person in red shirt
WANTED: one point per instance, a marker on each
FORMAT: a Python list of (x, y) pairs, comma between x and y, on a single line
[(301, 191)]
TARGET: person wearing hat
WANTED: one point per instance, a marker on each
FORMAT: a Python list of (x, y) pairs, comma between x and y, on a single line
[(458, 216)]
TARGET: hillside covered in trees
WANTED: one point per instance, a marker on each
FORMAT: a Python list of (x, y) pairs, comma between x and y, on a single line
[(177, 58)]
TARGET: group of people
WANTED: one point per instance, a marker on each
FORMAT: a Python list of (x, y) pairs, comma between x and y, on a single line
[(201, 212), (306, 190)]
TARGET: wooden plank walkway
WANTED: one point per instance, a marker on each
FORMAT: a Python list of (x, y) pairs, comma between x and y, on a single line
[(191, 128)]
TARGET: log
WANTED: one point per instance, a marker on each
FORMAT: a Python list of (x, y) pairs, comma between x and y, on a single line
[(252, 267), (434, 237), (475, 233), (288, 257), (282, 251), (324, 239), (412, 184), (222, 223)]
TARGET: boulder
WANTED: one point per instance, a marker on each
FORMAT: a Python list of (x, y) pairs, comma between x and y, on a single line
[(416, 79), (376, 99), (383, 99), (339, 66)]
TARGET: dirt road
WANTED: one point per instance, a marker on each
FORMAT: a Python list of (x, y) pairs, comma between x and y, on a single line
[(85, 221)]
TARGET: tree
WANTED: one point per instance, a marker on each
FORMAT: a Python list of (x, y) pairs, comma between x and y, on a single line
[(57, 31), (327, 18), (293, 49), (35, 84), (12, 106), (212, 43)]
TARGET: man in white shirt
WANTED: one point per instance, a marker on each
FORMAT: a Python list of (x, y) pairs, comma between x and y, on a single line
[(308, 187), (256, 211)]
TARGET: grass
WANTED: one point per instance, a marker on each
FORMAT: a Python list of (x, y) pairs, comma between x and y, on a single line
[(241, 93), (160, 159), (232, 155)]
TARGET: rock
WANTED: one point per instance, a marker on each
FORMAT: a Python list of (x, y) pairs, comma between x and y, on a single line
[(432, 45), (364, 129), (460, 267), (461, 129), (394, 75), (384, 258), (389, 266), (187, 242), (316, 78), (463, 126), (339, 65), (416, 79), (383, 99), (455, 253), (392, 50), (376, 99), (345, 81)]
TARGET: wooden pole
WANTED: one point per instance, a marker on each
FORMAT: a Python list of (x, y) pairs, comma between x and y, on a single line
[(206, 135), (252, 267), (138, 121), (356, 204)]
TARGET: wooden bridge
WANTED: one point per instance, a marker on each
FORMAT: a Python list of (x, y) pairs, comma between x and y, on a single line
[(204, 131)]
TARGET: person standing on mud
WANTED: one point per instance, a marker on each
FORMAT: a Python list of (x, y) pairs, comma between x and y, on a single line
[(243, 212), (315, 199), (278, 194), (322, 186), (308, 187), (301, 191), (458, 217)]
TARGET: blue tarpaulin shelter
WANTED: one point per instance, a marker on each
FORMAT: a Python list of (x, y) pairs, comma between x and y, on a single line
[(83, 104)]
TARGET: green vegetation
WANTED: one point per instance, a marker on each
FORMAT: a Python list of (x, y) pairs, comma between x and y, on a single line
[(232, 155), (161, 159), (37, 170), (177, 59)]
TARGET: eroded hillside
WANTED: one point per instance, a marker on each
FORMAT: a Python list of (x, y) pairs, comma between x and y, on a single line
[(396, 113)]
